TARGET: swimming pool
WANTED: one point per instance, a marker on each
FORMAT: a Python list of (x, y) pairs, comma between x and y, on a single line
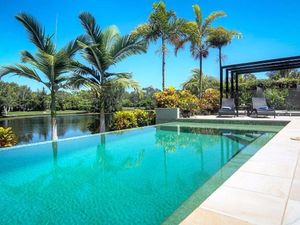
[(151, 175)]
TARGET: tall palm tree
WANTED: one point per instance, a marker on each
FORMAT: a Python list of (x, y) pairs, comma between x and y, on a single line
[(103, 49), (196, 34), (48, 65), (220, 37), (162, 25)]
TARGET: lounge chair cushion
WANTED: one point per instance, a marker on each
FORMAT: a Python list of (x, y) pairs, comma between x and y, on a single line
[(263, 107), (226, 108)]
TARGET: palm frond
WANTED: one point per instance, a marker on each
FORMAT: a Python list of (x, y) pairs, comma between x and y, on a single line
[(27, 57), (118, 75), (127, 46), (94, 56), (35, 30), (90, 26), (81, 69), (72, 47), (20, 70), (109, 36), (198, 15), (123, 82), (77, 81), (210, 19)]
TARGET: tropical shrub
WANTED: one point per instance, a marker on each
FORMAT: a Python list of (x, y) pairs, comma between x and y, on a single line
[(142, 117), (124, 120), (209, 101), (7, 137), (276, 98), (245, 97), (130, 119), (167, 98), (187, 101), (170, 98)]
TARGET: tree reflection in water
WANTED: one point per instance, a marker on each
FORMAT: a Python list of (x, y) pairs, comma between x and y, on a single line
[(38, 129)]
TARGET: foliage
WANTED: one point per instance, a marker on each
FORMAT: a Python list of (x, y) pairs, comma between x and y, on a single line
[(209, 101), (141, 117), (287, 73), (196, 33), (187, 101), (7, 137), (167, 98), (193, 83), (162, 25), (170, 98), (130, 119), (48, 60), (276, 98), (220, 37), (245, 97), (102, 49), (124, 120), (144, 99)]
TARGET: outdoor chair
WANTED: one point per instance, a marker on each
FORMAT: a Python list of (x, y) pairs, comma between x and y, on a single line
[(228, 107), (260, 107)]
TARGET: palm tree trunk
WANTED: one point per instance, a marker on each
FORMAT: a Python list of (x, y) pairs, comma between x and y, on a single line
[(102, 115), (102, 121), (200, 76), (4, 111), (221, 81), (220, 58), (53, 116), (163, 48)]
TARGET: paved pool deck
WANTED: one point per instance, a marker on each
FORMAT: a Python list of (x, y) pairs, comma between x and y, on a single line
[(264, 191)]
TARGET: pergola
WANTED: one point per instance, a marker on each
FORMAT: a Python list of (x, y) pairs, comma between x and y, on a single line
[(233, 71)]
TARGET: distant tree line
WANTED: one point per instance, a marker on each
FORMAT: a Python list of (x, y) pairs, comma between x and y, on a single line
[(14, 97)]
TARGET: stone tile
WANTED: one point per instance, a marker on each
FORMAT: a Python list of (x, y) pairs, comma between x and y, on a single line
[(271, 168), (247, 206), (207, 217), (269, 154), (282, 147), (269, 185), (292, 214), (297, 172), (295, 191)]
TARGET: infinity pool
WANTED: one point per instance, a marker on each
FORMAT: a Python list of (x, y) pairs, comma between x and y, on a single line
[(140, 176)]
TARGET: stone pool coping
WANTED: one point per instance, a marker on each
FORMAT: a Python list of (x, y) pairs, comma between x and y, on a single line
[(264, 191)]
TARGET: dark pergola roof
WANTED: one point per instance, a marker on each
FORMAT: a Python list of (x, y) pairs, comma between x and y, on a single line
[(265, 65), (253, 67)]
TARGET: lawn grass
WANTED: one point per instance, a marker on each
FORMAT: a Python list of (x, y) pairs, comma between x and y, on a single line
[(41, 113)]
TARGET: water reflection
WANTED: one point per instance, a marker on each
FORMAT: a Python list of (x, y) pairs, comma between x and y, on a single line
[(38, 129)]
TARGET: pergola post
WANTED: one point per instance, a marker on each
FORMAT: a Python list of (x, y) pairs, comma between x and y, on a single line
[(227, 83), (237, 89), (231, 85), (221, 86)]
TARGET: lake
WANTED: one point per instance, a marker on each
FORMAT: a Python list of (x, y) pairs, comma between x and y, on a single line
[(37, 129)]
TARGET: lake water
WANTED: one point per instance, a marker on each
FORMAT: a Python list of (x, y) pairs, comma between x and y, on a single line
[(38, 129)]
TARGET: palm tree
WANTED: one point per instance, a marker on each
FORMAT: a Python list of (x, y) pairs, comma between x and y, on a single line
[(193, 83), (48, 65), (220, 37), (196, 33), (102, 50), (164, 25)]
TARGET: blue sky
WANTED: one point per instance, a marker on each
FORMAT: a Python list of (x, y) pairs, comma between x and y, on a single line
[(270, 29)]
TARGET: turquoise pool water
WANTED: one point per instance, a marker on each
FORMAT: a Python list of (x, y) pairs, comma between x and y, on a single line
[(140, 176)]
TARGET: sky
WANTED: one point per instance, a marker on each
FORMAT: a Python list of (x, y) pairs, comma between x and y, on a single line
[(270, 29)]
